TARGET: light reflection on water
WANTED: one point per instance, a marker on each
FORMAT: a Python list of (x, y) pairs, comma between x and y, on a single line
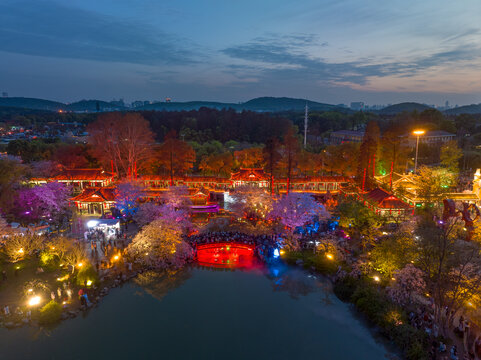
[(201, 313)]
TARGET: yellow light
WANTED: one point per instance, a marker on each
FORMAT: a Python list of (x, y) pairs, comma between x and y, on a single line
[(393, 279), (470, 303), (17, 267), (63, 278), (53, 247), (30, 290), (376, 278), (64, 302), (282, 252), (89, 282), (79, 264), (35, 300), (427, 294), (418, 132), (20, 251), (116, 257), (146, 254), (329, 256)]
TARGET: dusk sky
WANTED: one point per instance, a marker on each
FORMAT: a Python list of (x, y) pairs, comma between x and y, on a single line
[(332, 51)]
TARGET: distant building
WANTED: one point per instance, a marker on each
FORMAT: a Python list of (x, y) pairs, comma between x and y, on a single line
[(435, 137), (342, 136), (357, 106)]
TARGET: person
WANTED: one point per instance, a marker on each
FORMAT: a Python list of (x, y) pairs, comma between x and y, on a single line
[(52, 295), (442, 347), (59, 292), (4, 275), (6, 310)]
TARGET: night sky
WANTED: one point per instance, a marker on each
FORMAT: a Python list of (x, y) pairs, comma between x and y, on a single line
[(334, 51)]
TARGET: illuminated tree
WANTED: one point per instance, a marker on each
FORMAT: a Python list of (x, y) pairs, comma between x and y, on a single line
[(177, 197), (408, 284), (123, 140), (127, 196), (361, 223), (271, 159), (393, 252), (433, 182), (249, 158), (341, 159), (49, 202), (289, 154), (450, 156), (308, 163), (22, 246), (217, 164), (175, 156), (368, 155), (251, 202), (296, 209), (160, 245)]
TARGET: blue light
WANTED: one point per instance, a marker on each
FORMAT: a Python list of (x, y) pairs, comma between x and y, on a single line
[(276, 253)]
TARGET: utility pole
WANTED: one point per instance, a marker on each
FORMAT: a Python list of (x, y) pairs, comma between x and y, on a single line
[(305, 125)]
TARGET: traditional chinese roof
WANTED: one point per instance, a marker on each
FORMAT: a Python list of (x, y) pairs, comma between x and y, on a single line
[(385, 200), (250, 175), (96, 194), (83, 174)]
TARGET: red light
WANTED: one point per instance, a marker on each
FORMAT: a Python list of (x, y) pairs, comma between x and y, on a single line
[(225, 255)]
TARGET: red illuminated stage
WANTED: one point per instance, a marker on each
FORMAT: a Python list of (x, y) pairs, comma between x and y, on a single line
[(226, 255)]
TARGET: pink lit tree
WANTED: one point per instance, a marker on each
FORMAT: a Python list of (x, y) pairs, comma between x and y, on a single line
[(409, 283), (297, 209), (251, 202), (49, 202)]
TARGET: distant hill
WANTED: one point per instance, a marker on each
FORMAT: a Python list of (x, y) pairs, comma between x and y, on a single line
[(91, 106), (261, 104), (399, 108), (467, 109), (31, 103), (186, 106)]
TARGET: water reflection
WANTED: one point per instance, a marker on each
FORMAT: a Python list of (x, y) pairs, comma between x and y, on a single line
[(159, 284)]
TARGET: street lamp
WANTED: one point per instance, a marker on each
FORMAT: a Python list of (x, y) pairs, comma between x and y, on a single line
[(418, 133)]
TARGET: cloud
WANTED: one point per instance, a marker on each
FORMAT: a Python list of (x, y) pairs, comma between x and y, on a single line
[(46, 28), (281, 58)]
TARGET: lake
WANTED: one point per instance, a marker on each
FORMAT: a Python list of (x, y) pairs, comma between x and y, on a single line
[(276, 312)]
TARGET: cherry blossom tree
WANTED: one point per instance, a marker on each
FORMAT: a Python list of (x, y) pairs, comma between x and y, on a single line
[(127, 196), (177, 197), (160, 245), (296, 209), (49, 202), (251, 202), (409, 283), (149, 212)]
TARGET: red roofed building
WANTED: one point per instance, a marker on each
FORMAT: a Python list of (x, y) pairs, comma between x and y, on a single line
[(95, 200), (80, 178), (386, 204), (256, 177)]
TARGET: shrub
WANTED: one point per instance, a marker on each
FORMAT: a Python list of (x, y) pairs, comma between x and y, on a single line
[(48, 260), (344, 288), (86, 273), (50, 314)]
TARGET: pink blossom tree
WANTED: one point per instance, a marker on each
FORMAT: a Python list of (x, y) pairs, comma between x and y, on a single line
[(296, 209), (177, 197), (160, 245), (49, 202), (409, 283), (251, 202)]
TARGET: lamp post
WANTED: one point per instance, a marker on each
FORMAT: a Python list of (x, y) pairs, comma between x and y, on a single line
[(418, 133)]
